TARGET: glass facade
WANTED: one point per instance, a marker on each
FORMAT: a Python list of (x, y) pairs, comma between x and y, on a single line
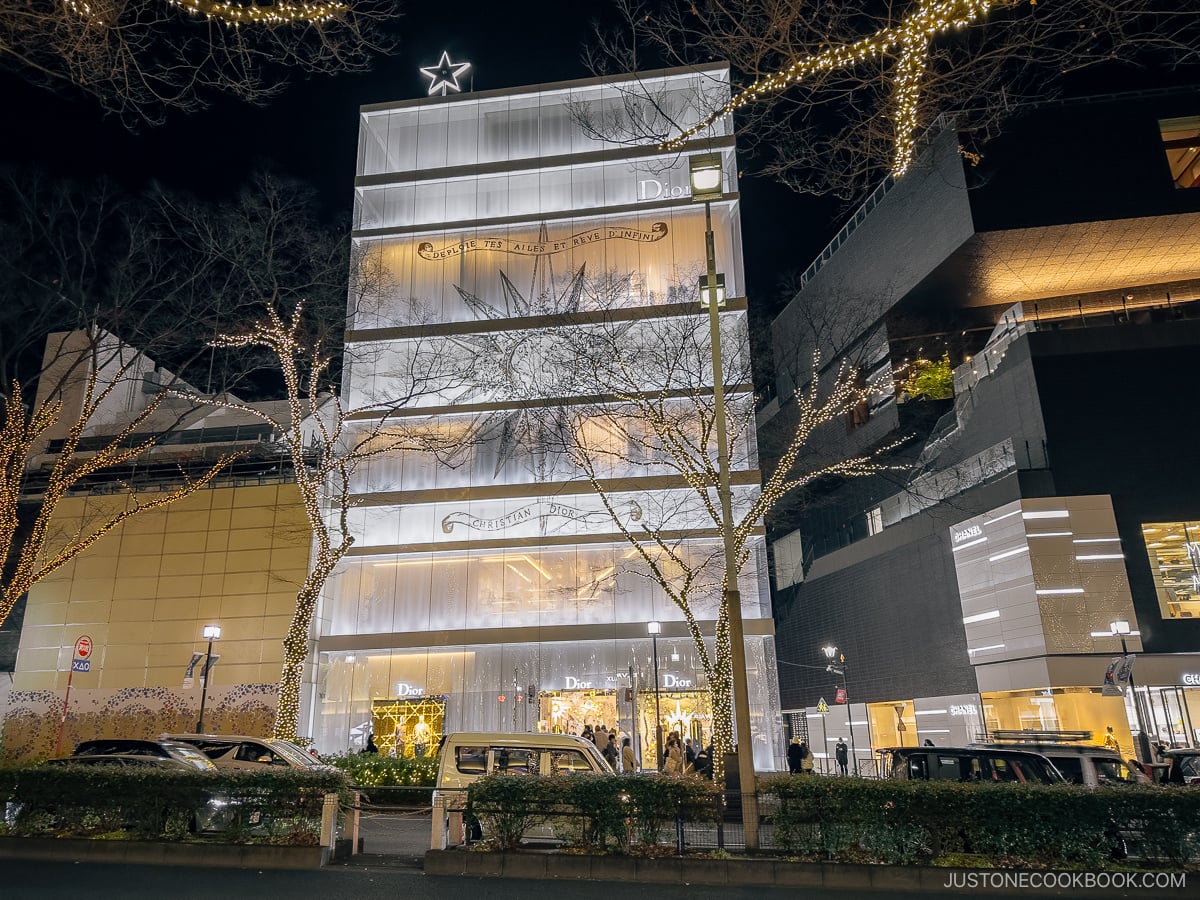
[(498, 233)]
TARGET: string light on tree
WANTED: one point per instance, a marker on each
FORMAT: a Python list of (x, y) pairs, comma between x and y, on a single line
[(235, 14), (911, 38)]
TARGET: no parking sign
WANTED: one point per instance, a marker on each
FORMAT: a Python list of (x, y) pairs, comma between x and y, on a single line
[(82, 661)]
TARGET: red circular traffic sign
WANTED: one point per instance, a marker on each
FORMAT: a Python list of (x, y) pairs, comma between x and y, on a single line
[(83, 647)]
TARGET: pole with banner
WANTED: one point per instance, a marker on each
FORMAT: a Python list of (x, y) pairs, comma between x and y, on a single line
[(81, 661)]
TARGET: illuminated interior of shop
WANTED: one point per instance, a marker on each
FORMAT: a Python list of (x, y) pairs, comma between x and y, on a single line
[(893, 724), (1059, 709), (408, 728), (1181, 140), (567, 712), (686, 713), (1174, 549)]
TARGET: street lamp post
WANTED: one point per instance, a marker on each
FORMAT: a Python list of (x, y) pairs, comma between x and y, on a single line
[(837, 665), (707, 182), (213, 633), (654, 629), (1120, 629)]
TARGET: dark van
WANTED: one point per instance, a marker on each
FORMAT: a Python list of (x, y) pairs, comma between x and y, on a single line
[(967, 764)]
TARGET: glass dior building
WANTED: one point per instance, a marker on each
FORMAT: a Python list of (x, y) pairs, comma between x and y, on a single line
[(489, 589)]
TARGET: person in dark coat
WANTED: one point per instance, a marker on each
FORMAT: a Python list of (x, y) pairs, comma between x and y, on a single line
[(842, 753), (370, 748), (795, 756)]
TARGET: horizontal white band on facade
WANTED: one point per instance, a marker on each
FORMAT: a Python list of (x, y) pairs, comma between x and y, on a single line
[(973, 543), (526, 490), (1008, 553), (641, 313), (1087, 556), (598, 212), (1108, 540), (616, 538), (528, 634), (1034, 534), (1052, 592), (981, 617), (718, 72), (931, 712), (1046, 514), (463, 409), (533, 165), (1109, 634), (1007, 515)]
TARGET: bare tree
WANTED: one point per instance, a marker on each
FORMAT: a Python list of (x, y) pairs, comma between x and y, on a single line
[(92, 280), (143, 57), (654, 420), (829, 97), (326, 443), (70, 426)]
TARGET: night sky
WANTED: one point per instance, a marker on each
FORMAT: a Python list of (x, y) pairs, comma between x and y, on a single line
[(311, 131)]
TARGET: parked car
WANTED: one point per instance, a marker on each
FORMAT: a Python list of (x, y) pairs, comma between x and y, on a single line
[(1185, 765), (973, 764), (1084, 764), (466, 757), (217, 812), (144, 749), (239, 751)]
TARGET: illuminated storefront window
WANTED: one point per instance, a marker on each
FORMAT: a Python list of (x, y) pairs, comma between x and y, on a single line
[(1060, 709), (1174, 550)]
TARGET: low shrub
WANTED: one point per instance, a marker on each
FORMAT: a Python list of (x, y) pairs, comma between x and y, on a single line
[(372, 770), (273, 806), (1008, 825), (592, 811)]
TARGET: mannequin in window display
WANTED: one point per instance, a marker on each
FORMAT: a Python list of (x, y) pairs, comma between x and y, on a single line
[(420, 736), (399, 741)]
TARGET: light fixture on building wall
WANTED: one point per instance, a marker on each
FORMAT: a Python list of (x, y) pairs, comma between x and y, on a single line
[(837, 666), (654, 629), (212, 633), (706, 292), (707, 178), (674, 654), (1120, 629)]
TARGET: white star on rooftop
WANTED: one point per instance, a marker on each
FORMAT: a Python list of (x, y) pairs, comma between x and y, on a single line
[(444, 76)]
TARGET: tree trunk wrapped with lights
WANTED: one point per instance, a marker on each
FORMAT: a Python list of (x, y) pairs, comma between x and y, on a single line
[(664, 424)]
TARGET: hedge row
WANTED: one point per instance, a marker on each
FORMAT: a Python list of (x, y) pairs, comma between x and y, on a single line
[(274, 806), (372, 770), (590, 811), (1009, 825)]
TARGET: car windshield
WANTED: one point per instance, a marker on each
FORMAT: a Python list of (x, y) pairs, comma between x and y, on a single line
[(191, 756), (1111, 771), (293, 754)]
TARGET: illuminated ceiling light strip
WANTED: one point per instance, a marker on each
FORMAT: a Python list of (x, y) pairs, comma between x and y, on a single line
[(931, 712), (1100, 556), (1007, 553), (985, 649), (1112, 540), (1015, 512), (935, 730), (1109, 634), (981, 540), (1046, 514), (1053, 592), (1049, 534), (982, 617)]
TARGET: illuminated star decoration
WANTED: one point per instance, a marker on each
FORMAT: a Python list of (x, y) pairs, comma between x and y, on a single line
[(911, 37), (444, 76)]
